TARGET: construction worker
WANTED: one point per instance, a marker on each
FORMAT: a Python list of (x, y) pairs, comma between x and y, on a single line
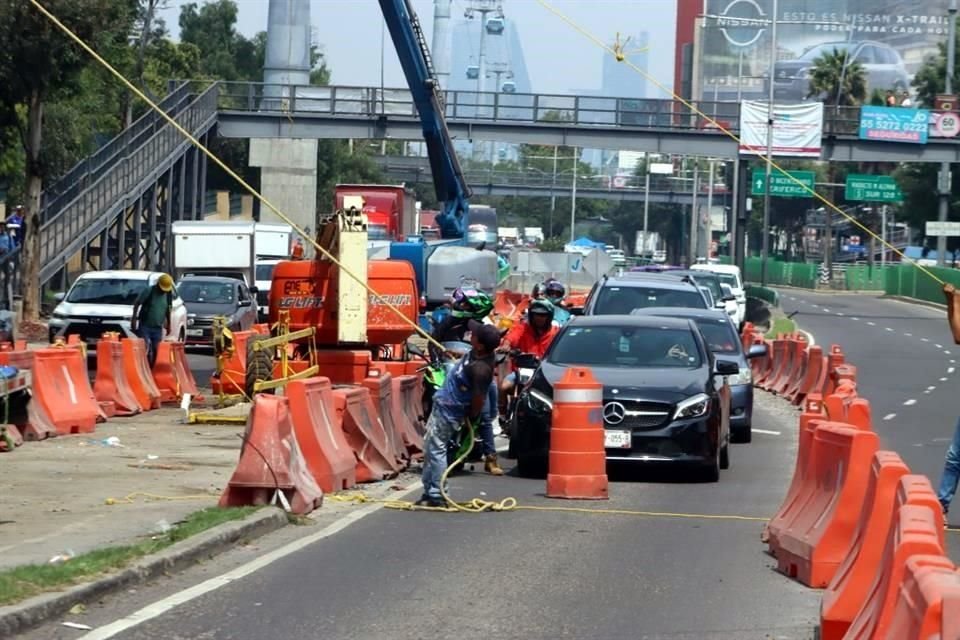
[(151, 314), (464, 396)]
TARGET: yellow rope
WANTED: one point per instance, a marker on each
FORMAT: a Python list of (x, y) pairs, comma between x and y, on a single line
[(129, 499), (756, 151), (230, 172)]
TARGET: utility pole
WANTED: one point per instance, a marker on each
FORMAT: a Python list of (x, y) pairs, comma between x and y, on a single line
[(765, 246), (553, 187), (707, 238), (735, 202), (694, 205), (573, 197), (646, 203), (943, 183)]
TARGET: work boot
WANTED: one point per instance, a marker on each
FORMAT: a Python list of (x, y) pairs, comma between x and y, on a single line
[(491, 465)]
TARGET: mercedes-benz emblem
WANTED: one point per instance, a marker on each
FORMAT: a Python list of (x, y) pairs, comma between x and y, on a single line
[(614, 413)]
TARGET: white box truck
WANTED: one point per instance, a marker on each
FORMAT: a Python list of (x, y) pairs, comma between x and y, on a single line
[(273, 240), (215, 248)]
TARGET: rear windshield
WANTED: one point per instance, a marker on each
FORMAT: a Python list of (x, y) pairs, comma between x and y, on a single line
[(719, 336), (730, 279), (623, 300), (619, 346), (207, 291), (122, 291)]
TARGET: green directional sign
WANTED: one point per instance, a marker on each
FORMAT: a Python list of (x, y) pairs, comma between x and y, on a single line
[(865, 188), (782, 186)]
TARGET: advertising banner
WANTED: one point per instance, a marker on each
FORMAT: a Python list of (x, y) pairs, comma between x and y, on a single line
[(890, 39), (797, 129), (893, 124)]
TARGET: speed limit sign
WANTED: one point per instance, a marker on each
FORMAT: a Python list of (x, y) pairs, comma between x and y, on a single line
[(947, 125)]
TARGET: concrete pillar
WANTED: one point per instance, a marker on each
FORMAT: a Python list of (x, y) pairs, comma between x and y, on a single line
[(246, 207), (288, 179), (223, 205), (440, 49)]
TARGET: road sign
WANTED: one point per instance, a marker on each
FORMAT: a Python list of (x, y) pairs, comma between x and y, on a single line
[(945, 102), (945, 125), (863, 188), (781, 185), (943, 228)]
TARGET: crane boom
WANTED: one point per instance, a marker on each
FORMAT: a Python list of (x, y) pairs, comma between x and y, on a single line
[(448, 180)]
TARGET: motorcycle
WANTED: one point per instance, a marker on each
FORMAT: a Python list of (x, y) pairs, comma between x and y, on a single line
[(525, 364)]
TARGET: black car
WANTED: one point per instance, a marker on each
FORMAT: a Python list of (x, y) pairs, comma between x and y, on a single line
[(664, 394), (722, 339), (207, 297), (622, 294)]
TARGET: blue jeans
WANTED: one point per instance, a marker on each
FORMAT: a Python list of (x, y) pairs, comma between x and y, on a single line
[(440, 431), (951, 471), (152, 336), (490, 413)]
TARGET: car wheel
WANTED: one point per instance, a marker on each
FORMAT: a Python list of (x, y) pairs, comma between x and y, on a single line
[(528, 467), (742, 435), (712, 473), (259, 367), (725, 457)]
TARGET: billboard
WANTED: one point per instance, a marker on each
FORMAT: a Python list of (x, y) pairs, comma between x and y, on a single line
[(797, 129), (890, 38)]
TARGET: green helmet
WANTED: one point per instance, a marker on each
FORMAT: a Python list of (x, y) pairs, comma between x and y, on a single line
[(471, 303)]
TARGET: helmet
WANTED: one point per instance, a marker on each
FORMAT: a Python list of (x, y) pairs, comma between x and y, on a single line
[(554, 291), (471, 303), (540, 306), (165, 282), (537, 292)]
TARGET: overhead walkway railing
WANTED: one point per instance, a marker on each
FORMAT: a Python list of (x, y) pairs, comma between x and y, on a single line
[(124, 177)]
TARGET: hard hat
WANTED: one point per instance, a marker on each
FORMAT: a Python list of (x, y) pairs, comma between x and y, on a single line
[(165, 282)]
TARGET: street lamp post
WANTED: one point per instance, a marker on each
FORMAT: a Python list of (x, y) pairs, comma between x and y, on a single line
[(765, 242), (573, 197), (944, 182)]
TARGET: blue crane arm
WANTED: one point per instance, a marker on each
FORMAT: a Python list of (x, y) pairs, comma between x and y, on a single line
[(448, 180)]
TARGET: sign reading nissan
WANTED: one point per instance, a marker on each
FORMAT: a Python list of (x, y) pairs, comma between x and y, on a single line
[(890, 39)]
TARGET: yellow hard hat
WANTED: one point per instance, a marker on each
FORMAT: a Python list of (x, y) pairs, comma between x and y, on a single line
[(165, 282)]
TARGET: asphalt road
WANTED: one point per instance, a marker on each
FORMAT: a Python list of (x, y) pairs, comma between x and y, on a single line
[(906, 367), (528, 574)]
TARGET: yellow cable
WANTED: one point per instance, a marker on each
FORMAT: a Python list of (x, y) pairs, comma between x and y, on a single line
[(128, 499), (770, 161), (256, 194)]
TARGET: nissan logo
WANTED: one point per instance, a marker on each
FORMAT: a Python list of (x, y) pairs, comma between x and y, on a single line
[(614, 413)]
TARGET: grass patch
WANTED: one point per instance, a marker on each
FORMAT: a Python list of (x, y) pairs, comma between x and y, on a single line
[(27, 581), (781, 325)]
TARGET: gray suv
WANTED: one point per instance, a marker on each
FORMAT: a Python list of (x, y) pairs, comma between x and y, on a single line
[(622, 295)]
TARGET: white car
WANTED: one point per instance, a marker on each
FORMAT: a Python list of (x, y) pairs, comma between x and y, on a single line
[(264, 280), (729, 275), (102, 301), (618, 256)]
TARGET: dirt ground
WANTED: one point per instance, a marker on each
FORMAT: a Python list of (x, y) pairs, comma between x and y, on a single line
[(54, 494)]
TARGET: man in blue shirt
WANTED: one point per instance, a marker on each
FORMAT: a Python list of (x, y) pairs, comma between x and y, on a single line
[(464, 396)]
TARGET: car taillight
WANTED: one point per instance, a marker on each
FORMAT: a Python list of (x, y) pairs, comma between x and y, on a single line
[(423, 302)]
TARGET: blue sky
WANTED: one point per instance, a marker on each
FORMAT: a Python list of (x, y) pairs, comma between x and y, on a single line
[(558, 58)]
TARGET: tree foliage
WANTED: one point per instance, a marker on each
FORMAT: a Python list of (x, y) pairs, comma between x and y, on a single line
[(838, 80)]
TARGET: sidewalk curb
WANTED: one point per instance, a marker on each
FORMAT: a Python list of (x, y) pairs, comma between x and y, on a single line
[(922, 303), (19, 617)]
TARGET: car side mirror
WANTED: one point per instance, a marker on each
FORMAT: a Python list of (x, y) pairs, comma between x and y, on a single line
[(59, 296), (253, 291), (727, 368), (729, 298), (245, 303), (757, 351)]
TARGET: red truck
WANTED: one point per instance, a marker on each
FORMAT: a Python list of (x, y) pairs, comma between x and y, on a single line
[(391, 209), (428, 224)]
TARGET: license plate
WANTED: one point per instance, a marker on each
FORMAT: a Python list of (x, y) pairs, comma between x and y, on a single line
[(195, 333), (616, 439)]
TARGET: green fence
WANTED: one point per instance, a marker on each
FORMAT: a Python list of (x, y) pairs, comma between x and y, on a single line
[(911, 282), (791, 274), (864, 278)]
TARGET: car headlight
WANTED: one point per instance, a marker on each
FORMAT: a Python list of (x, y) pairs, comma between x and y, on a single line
[(190, 320), (744, 377), (57, 315), (539, 401), (692, 407)]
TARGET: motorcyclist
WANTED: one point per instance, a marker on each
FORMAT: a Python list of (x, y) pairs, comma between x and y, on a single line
[(532, 336), (555, 292), (469, 307)]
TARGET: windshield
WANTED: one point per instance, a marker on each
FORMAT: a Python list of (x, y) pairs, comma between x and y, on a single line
[(730, 279), (618, 346), (206, 292), (623, 300), (719, 336), (265, 272), (121, 291)]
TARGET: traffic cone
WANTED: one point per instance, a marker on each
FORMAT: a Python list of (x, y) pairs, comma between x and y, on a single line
[(578, 461)]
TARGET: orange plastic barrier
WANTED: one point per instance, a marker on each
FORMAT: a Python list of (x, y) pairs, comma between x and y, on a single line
[(918, 531), (859, 414), (837, 403), (835, 358), (171, 373), (61, 387), (930, 592), (817, 540), (815, 375), (792, 389), (38, 425), (110, 385), (796, 350), (329, 457), (803, 479), (136, 368), (780, 362), (578, 462), (407, 407), (271, 462), (847, 591), (344, 367), (367, 438), (381, 392), (762, 366)]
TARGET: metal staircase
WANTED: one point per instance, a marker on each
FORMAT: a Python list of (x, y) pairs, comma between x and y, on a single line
[(114, 209)]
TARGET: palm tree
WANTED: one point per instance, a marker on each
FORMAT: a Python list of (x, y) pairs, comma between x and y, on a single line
[(827, 73)]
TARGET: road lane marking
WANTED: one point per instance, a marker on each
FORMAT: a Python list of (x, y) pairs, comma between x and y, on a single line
[(943, 379), (825, 310), (840, 313), (909, 335), (163, 606), (889, 329), (925, 339), (938, 346), (766, 432), (946, 352), (855, 318), (910, 402), (872, 324), (951, 369), (889, 416)]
